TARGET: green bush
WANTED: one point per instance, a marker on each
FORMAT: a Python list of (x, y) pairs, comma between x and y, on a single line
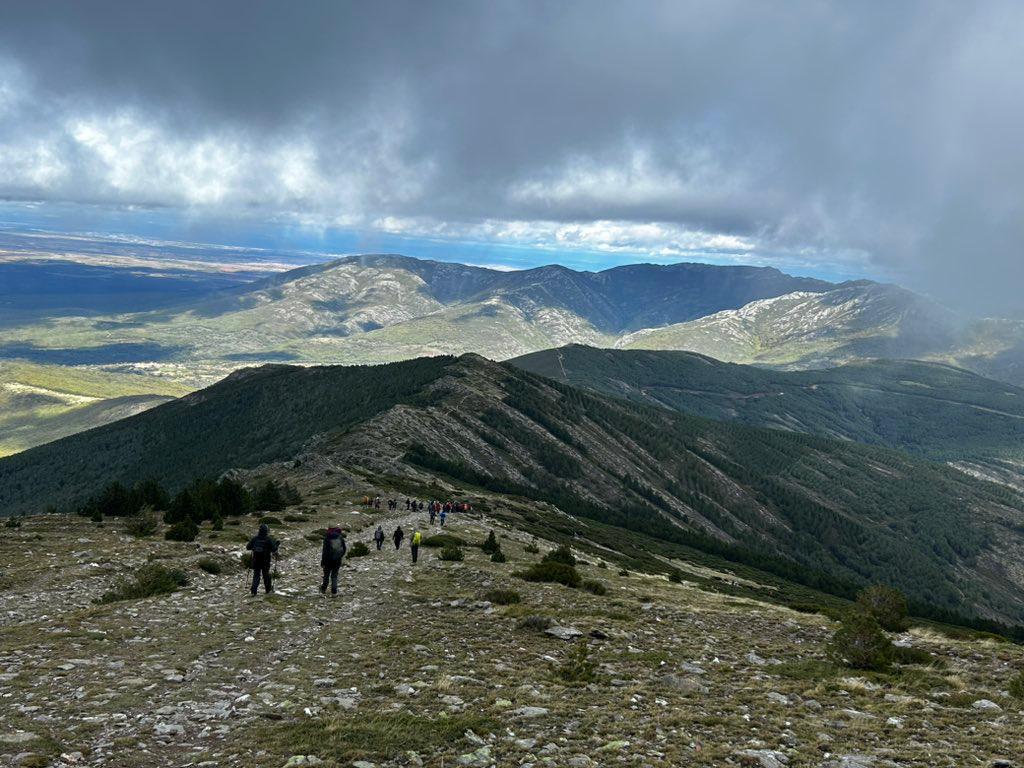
[(246, 560), (491, 545), (270, 520), (860, 643), (498, 557), (145, 522), (442, 540), (675, 576), (603, 565), (554, 573), (595, 587), (359, 549), (561, 555), (268, 497), (623, 572), (905, 655), (532, 548), (217, 523), (12, 522), (185, 530), (577, 667), (295, 518), (148, 581), (534, 623), (451, 554), (886, 604), (1016, 686), (211, 565), (502, 596)]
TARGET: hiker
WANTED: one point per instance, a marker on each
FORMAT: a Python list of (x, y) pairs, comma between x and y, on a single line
[(398, 535), (378, 537), (376, 503), (432, 515), (331, 557), (407, 505), (263, 548), (444, 515), (414, 545)]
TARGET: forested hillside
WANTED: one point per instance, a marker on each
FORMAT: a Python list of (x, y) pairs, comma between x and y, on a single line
[(825, 513), (927, 409)]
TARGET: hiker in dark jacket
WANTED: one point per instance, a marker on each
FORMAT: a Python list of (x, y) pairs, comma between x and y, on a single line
[(263, 549), (432, 515), (398, 535), (331, 557), (378, 537)]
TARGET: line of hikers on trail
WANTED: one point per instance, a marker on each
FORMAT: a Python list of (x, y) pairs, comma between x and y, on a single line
[(437, 510), (264, 550)]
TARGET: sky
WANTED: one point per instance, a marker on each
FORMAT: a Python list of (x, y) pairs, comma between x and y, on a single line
[(879, 139)]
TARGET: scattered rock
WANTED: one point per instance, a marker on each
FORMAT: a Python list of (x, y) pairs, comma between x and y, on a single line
[(529, 712), (986, 704), (563, 633), (764, 758)]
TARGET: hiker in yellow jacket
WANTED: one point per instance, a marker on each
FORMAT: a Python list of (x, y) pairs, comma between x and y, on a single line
[(414, 544)]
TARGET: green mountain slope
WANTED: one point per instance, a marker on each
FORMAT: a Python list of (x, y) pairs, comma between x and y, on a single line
[(927, 409), (40, 403), (826, 513)]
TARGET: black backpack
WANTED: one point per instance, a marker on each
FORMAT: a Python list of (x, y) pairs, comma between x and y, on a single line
[(260, 546), (335, 549)]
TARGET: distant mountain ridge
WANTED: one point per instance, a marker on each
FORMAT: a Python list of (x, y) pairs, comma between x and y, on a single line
[(928, 409)]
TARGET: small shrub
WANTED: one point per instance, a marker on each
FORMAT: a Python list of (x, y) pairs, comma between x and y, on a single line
[(145, 522), (491, 545), (561, 555), (595, 587), (442, 540), (498, 557), (359, 549), (217, 523), (502, 596), (534, 623), (860, 643), (905, 655), (623, 572), (1016, 686), (532, 548), (12, 522), (185, 530), (451, 554), (149, 580), (270, 520), (675, 576), (886, 604), (295, 518), (246, 560), (554, 573), (603, 565), (211, 565), (96, 517), (577, 667)]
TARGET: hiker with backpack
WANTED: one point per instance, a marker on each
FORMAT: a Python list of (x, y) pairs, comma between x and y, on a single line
[(331, 558), (414, 545), (444, 516), (263, 549), (432, 514), (378, 537), (398, 535)]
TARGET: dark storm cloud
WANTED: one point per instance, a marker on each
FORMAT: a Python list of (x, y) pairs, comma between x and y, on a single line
[(886, 131)]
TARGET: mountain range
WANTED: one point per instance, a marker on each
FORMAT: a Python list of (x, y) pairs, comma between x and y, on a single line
[(826, 513), (384, 308)]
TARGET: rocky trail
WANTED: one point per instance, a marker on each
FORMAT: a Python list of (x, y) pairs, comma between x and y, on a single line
[(414, 665)]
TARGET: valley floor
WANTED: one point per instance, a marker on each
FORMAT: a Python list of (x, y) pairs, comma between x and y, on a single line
[(411, 666)]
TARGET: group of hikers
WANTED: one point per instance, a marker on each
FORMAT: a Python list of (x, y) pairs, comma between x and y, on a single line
[(264, 547), (437, 510)]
